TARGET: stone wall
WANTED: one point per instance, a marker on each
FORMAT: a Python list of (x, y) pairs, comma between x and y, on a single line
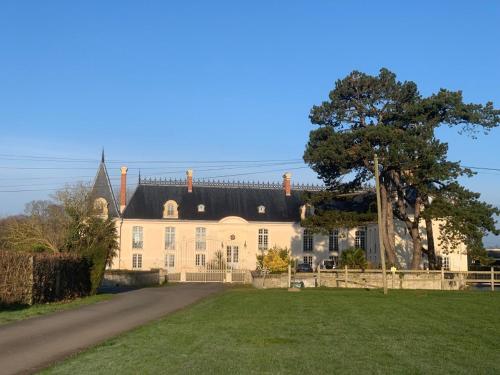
[(368, 279), (120, 278)]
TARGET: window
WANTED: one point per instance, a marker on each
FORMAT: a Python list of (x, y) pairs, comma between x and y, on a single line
[(306, 211), (169, 238), (261, 209), (136, 261), (232, 255), (199, 260), (201, 208), (101, 207), (263, 239), (137, 238), (360, 239), (445, 263), (333, 240), (170, 210), (308, 259), (201, 238), (307, 244), (170, 260)]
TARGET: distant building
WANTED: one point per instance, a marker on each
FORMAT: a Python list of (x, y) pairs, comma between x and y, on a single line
[(189, 225)]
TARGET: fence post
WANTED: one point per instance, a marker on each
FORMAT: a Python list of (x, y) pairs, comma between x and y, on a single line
[(442, 278), (31, 281), (345, 281), (492, 279), (319, 276)]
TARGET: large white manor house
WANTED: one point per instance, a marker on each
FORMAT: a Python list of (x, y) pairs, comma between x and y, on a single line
[(188, 225)]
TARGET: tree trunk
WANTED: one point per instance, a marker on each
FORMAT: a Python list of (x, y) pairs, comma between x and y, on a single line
[(417, 249), (388, 227), (431, 251), (415, 236)]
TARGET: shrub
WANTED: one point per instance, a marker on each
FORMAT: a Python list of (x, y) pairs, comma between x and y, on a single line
[(27, 278), (353, 258), (276, 260), (95, 239)]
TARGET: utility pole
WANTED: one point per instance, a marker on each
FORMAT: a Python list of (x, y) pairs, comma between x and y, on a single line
[(379, 214)]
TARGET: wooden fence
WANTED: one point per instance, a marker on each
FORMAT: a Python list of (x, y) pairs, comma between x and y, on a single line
[(398, 279)]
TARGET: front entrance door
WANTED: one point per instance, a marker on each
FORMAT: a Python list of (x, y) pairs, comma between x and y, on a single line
[(232, 256)]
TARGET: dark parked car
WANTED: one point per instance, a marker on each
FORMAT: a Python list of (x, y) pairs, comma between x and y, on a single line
[(328, 264), (304, 267)]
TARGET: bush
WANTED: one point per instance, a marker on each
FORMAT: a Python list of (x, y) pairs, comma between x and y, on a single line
[(276, 260), (39, 278), (353, 258), (94, 239)]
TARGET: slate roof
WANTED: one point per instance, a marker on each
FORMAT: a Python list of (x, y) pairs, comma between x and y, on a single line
[(102, 189), (222, 201)]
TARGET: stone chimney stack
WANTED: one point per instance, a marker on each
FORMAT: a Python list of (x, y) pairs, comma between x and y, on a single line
[(287, 183), (189, 174), (123, 189)]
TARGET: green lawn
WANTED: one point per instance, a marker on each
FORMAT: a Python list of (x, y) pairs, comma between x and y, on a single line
[(11, 314), (314, 331)]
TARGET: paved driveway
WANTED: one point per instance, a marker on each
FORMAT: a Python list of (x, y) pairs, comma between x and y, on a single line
[(32, 344)]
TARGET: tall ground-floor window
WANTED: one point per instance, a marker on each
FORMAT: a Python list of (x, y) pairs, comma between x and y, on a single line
[(170, 260), (263, 239), (308, 259), (307, 241), (137, 261), (445, 262), (232, 254), (333, 240), (199, 260), (360, 239)]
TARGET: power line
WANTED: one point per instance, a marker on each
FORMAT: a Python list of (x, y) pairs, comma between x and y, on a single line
[(172, 161), (483, 168)]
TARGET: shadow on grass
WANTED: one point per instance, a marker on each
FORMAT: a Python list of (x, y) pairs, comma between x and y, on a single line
[(13, 307)]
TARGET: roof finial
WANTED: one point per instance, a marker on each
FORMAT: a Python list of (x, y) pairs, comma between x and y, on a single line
[(102, 155)]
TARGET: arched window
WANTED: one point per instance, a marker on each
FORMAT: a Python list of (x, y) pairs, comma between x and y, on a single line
[(261, 209), (170, 210), (201, 208)]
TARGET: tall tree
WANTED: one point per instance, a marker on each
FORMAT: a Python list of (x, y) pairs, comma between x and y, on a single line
[(378, 114)]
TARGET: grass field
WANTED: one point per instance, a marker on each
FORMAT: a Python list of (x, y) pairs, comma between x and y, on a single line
[(314, 331), (13, 313)]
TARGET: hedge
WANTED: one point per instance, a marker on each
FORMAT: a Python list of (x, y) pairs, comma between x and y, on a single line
[(27, 278)]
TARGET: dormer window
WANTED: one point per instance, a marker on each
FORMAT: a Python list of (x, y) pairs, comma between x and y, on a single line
[(306, 211), (261, 209), (170, 210), (101, 207), (201, 208)]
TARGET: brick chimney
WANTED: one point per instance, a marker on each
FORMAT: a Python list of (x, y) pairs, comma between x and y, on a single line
[(189, 174), (123, 189), (287, 183)]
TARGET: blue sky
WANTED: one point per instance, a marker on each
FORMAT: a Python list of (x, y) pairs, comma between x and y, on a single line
[(220, 80)]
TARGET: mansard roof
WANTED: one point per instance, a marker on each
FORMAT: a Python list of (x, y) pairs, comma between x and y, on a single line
[(223, 199), (102, 189)]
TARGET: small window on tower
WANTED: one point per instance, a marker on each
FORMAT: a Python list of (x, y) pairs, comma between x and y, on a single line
[(201, 208), (261, 209)]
